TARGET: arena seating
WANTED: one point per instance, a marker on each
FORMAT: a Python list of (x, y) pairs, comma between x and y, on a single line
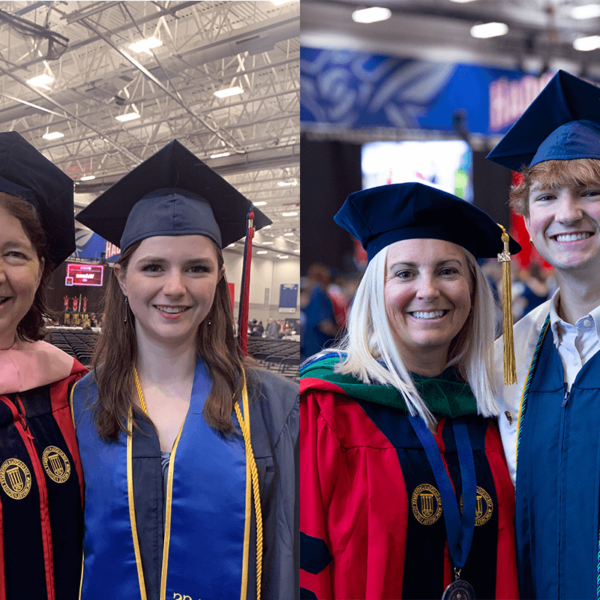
[(78, 343), (280, 356)]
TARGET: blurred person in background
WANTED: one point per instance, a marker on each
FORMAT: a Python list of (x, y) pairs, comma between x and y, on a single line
[(40, 470), (189, 453), (272, 328), (402, 401), (320, 327), (552, 416)]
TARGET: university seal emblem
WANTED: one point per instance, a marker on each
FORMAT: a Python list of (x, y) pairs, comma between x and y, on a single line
[(56, 464), (484, 507), (15, 478), (426, 504)]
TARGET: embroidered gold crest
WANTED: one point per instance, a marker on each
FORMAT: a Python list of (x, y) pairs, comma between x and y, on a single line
[(484, 507), (15, 478), (426, 504), (56, 464)]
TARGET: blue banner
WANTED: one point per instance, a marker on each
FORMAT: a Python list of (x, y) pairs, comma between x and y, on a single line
[(288, 297), (91, 246), (346, 89)]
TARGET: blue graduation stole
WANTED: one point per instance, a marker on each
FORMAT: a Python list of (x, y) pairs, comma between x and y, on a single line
[(558, 481), (208, 515)]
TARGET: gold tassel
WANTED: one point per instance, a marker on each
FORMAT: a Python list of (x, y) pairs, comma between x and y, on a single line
[(510, 370)]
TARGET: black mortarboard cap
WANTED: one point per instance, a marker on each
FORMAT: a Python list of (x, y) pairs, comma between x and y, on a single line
[(562, 123), (171, 193), (27, 174), (380, 216)]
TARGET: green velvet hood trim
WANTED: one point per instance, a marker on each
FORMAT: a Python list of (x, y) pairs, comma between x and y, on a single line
[(446, 395)]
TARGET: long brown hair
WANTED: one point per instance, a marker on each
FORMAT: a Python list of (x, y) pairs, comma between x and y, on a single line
[(31, 327), (116, 355)]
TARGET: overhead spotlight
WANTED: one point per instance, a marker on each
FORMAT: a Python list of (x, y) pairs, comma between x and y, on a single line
[(262, 252), (146, 45), (259, 203), (489, 30), (289, 214), (54, 135), (128, 117), (88, 178), (585, 44), (232, 91), (289, 233), (286, 183), (41, 81), (371, 15), (588, 11), (220, 155), (282, 256)]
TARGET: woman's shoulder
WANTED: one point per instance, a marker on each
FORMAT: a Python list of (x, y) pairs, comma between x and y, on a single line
[(28, 365), (276, 398)]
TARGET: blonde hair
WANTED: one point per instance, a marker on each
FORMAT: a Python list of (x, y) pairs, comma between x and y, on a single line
[(372, 356)]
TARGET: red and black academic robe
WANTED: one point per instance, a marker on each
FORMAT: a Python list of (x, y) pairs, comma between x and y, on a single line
[(372, 523), (41, 481)]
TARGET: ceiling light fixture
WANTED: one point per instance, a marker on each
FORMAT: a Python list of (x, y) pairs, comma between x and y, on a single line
[(54, 135), (289, 214), (588, 11), (280, 2), (282, 256), (259, 203), (371, 15), (220, 155), (286, 183), (267, 227), (41, 81), (289, 233), (585, 44), (489, 30), (262, 252), (266, 243), (232, 91), (128, 117), (88, 178), (146, 45)]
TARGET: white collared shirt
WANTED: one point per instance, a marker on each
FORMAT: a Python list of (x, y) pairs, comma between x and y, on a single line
[(576, 344)]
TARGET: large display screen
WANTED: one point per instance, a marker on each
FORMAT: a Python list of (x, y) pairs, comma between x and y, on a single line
[(82, 274), (444, 164)]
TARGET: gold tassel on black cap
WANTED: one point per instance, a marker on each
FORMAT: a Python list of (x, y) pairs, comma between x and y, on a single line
[(510, 370)]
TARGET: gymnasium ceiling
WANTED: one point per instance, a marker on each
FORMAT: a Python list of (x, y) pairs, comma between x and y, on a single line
[(206, 47), (540, 36)]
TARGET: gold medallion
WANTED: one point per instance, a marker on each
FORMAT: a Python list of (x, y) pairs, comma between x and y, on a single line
[(15, 478), (56, 464), (426, 504), (484, 507)]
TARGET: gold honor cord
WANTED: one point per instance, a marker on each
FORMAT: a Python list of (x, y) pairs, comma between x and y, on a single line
[(245, 427), (510, 370)]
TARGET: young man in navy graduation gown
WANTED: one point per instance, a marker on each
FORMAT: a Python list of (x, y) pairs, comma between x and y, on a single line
[(551, 417)]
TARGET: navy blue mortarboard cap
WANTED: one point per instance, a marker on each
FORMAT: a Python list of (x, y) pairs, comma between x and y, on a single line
[(27, 174), (171, 193), (562, 123), (380, 216)]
